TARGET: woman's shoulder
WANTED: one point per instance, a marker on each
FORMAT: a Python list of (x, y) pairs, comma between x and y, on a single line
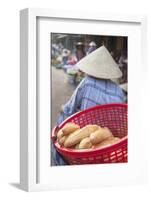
[(86, 80), (93, 82), (89, 79), (99, 83)]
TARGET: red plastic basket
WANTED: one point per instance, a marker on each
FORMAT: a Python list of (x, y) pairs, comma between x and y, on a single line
[(113, 116)]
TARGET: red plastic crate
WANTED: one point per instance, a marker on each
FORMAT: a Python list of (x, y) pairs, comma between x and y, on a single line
[(113, 116)]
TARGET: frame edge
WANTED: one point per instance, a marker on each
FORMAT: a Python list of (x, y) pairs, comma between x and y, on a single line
[(24, 99), (27, 177)]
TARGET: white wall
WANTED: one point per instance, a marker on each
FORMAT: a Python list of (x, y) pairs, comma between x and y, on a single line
[(9, 90)]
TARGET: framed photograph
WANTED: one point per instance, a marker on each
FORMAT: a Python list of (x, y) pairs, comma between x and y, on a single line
[(82, 77)]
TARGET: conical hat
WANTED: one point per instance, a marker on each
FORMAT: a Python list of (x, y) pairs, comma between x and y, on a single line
[(100, 64)]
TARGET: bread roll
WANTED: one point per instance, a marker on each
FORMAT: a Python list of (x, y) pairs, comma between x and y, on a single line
[(76, 146), (59, 134), (85, 143), (62, 140), (100, 135), (78, 135), (70, 128), (106, 142)]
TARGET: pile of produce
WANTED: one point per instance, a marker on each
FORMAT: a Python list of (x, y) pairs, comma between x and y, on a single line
[(88, 137)]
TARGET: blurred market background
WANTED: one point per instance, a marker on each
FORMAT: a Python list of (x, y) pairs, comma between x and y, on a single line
[(66, 51)]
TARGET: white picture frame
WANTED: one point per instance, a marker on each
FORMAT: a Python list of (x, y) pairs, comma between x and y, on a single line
[(30, 168)]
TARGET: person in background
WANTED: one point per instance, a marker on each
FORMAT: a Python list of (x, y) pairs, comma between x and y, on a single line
[(92, 47), (123, 65), (65, 54), (96, 88), (71, 60), (80, 53), (86, 46)]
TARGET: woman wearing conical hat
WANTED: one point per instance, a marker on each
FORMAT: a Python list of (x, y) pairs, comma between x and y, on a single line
[(96, 88)]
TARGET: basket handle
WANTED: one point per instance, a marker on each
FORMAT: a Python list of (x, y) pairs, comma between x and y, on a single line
[(53, 134)]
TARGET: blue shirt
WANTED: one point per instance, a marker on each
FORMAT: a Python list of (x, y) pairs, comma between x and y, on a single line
[(91, 92)]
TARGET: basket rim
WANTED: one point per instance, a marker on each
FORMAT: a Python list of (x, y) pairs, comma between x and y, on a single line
[(91, 108), (85, 152)]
